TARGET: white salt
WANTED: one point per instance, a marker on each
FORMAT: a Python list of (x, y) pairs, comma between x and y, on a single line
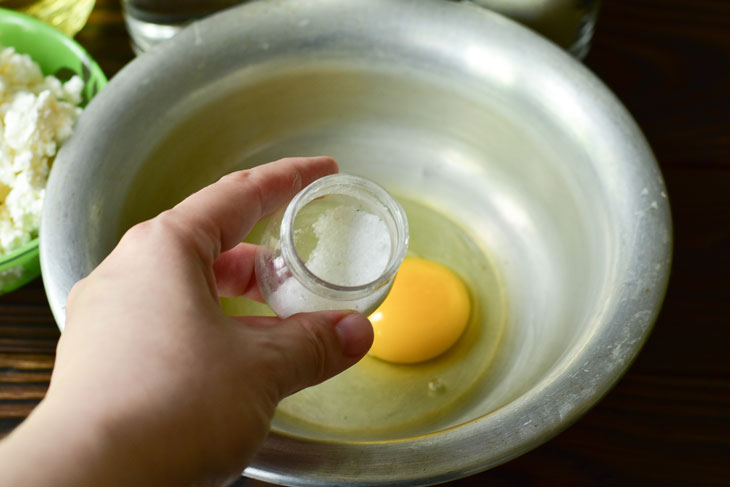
[(353, 248)]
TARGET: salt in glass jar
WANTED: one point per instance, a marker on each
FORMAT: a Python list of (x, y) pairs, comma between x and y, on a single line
[(337, 245)]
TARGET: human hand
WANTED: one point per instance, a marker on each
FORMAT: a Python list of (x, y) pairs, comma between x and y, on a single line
[(153, 383)]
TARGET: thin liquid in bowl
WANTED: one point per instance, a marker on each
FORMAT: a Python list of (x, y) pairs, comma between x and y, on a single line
[(520, 189), (377, 400)]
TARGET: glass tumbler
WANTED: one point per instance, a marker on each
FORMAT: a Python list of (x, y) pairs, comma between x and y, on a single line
[(337, 245), (150, 22), (568, 23)]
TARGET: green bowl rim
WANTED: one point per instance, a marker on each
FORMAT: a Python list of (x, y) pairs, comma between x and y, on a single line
[(78, 49), (19, 252)]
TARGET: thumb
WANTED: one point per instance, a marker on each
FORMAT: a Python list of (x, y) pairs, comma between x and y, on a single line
[(317, 346)]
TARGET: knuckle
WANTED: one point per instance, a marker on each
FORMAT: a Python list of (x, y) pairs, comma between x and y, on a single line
[(271, 361), (294, 356), (242, 176), (248, 179), (279, 373), (169, 230), (167, 223), (149, 230), (316, 340), (297, 181), (139, 231)]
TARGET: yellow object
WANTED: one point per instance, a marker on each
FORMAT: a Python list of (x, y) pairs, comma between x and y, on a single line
[(68, 16), (425, 313)]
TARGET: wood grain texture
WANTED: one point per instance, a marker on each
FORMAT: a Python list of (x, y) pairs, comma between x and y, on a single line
[(667, 422)]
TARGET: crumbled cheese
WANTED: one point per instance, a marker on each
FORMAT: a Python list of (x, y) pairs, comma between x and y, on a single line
[(37, 115)]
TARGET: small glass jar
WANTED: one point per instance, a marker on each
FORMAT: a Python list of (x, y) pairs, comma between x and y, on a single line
[(337, 245)]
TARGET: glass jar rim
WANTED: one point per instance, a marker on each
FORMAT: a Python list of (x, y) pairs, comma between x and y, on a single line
[(350, 185)]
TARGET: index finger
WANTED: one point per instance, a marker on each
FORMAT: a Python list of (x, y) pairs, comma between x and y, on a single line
[(226, 210)]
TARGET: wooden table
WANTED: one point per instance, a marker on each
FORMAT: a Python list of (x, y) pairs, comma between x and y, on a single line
[(668, 421)]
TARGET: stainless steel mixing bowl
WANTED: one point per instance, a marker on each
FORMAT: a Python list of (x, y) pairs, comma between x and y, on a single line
[(442, 102)]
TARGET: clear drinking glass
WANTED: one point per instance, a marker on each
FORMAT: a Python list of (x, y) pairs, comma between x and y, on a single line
[(150, 22), (337, 245), (568, 23)]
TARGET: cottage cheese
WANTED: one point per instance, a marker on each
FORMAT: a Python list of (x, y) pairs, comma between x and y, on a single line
[(37, 115)]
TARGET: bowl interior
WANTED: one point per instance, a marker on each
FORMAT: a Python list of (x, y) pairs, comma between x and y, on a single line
[(520, 191), (60, 56), (562, 208)]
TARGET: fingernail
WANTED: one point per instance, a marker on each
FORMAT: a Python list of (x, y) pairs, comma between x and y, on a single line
[(356, 334)]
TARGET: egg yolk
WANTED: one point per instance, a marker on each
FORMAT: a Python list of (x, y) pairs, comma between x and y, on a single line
[(424, 314)]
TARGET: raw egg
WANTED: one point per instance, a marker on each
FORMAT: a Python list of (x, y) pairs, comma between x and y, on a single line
[(425, 313)]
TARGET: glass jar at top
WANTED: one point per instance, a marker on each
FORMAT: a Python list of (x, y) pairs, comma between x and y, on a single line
[(337, 245)]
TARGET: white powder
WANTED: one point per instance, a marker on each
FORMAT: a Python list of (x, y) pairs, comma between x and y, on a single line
[(353, 248)]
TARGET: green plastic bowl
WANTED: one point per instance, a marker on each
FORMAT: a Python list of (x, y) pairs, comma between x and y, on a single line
[(60, 56)]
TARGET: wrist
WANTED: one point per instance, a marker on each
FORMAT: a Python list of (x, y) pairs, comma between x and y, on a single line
[(55, 440), (75, 447)]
